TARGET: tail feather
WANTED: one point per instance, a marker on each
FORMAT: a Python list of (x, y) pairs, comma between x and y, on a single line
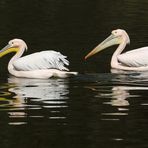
[(64, 74)]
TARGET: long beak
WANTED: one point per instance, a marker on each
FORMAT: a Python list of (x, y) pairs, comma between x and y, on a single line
[(111, 40), (7, 49)]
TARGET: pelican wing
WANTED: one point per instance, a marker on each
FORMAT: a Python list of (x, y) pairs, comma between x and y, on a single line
[(42, 60), (135, 58)]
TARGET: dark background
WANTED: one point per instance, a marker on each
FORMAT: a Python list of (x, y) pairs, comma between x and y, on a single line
[(95, 109), (72, 27)]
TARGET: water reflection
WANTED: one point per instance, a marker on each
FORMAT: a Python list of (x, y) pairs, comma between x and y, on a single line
[(117, 90), (119, 96), (40, 90), (131, 75), (35, 94)]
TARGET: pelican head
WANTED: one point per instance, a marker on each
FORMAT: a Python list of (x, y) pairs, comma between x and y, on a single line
[(14, 45), (117, 36)]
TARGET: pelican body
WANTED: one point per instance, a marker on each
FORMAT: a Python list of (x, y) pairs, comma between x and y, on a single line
[(134, 60), (44, 64)]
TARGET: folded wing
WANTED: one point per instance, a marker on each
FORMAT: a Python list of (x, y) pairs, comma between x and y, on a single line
[(135, 58), (42, 60)]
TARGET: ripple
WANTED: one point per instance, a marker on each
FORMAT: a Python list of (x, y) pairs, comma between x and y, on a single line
[(55, 106), (110, 119), (115, 114), (57, 117), (118, 139), (17, 123), (17, 114), (20, 98)]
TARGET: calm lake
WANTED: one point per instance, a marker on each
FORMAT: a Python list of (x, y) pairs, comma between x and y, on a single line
[(99, 108)]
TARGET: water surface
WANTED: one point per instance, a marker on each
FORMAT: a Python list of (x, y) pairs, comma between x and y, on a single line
[(100, 107), (89, 110)]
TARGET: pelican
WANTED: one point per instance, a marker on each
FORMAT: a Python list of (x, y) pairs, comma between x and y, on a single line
[(134, 60), (44, 64)]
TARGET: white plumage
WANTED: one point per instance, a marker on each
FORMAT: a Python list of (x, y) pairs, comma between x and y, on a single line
[(135, 60), (42, 65), (42, 60)]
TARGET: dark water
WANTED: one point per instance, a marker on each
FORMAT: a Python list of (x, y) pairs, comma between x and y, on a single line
[(98, 108)]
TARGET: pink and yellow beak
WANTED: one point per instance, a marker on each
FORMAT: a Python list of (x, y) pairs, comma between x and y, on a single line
[(110, 41), (8, 49)]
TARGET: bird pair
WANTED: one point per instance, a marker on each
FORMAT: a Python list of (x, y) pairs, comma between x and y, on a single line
[(46, 64)]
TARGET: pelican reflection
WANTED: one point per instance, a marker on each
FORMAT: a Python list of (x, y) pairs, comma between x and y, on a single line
[(36, 94), (39, 89)]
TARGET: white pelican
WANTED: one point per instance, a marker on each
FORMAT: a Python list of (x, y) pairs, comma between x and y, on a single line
[(44, 64), (135, 60)]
